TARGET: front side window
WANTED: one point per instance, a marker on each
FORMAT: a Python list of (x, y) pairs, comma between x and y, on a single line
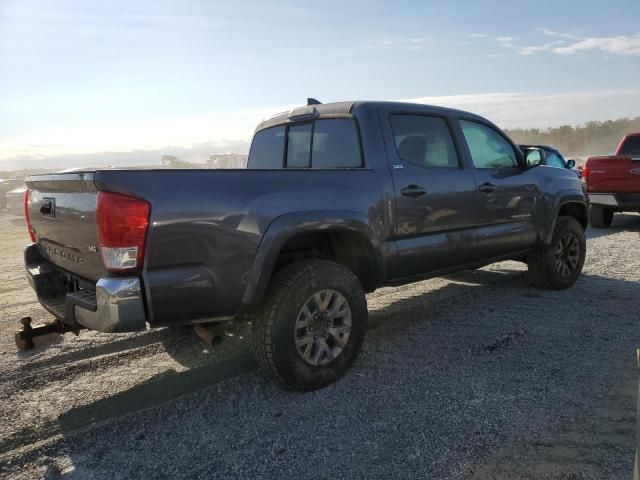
[(488, 148), (424, 140), (267, 148)]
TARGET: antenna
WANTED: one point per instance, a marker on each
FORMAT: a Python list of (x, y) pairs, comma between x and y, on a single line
[(313, 101)]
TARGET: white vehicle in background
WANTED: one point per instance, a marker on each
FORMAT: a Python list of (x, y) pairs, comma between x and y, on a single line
[(7, 189), (14, 200)]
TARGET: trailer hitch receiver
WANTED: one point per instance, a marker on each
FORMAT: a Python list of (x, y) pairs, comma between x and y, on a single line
[(40, 333)]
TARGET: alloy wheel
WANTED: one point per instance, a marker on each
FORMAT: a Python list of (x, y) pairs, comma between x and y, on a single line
[(567, 254), (323, 327)]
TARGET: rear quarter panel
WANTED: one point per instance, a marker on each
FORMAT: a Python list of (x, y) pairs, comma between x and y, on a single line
[(206, 227)]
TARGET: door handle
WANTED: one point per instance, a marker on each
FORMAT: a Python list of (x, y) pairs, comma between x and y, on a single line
[(487, 187), (413, 191)]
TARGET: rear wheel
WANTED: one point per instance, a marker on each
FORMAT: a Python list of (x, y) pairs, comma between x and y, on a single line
[(600, 216), (312, 325), (558, 265)]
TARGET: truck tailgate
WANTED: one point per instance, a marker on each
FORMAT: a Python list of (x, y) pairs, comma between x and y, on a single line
[(613, 174), (62, 212)]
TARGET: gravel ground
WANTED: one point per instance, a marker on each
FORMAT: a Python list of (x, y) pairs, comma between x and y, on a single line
[(476, 375)]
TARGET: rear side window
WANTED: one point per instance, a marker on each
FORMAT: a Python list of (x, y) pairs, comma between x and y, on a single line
[(267, 148), (424, 140), (488, 148), (336, 144), (631, 146), (325, 143)]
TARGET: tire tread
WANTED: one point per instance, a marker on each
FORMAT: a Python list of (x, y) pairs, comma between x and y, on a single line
[(540, 272), (277, 294)]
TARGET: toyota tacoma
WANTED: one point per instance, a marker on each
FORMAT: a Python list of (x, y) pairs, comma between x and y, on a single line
[(336, 201)]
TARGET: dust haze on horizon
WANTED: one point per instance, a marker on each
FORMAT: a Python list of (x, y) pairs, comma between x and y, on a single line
[(194, 139)]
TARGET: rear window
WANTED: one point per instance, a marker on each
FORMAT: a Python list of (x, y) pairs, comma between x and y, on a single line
[(631, 146), (267, 148), (325, 143)]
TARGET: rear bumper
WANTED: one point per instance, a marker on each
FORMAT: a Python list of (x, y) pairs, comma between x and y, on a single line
[(113, 304), (621, 201)]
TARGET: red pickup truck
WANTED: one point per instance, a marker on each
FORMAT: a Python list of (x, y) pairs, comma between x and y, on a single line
[(613, 181)]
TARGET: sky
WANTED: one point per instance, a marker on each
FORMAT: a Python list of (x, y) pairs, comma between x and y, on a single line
[(82, 76)]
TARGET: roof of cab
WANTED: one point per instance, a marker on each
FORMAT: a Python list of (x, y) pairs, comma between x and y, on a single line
[(338, 109)]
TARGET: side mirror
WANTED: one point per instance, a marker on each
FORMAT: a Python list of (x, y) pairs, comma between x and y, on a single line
[(533, 157), (571, 163)]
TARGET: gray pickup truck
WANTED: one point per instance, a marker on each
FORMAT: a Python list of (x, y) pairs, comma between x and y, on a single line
[(337, 200)]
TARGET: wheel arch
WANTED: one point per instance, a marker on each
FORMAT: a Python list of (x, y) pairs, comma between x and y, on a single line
[(574, 206), (352, 242)]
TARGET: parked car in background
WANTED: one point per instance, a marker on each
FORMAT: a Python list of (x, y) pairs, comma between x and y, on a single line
[(613, 181), (337, 200), (6, 186), (553, 158), (14, 200)]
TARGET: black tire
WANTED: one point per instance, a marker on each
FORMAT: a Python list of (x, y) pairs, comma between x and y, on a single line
[(600, 216), (546, 269), (274, 327)]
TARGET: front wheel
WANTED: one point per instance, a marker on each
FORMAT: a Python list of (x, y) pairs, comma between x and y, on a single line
[(558, 265), (601, 217), (312, 324)]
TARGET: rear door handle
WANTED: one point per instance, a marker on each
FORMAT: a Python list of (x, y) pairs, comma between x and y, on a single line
[(413, 191), (487, 187)]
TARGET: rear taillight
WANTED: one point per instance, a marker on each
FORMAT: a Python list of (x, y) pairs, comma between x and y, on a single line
[(122, 223), (32, 235), (585, 172)]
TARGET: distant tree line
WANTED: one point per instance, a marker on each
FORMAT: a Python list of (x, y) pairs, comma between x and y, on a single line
[(592, 138)]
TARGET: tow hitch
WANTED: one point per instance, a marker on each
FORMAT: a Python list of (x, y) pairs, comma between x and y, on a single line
[(28, 336)]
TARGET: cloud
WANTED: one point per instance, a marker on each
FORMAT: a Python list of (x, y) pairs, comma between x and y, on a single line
[(553, 33), (530, 50), (621, 45), (512, 110), (409, 43), (571, 44), (478, 35), (506, 41)]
